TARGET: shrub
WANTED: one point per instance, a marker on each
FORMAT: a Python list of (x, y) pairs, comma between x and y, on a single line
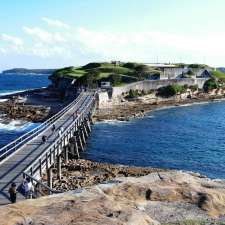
[(194, 87), (133, 93), (115, 79), (130, 65), (197, 66), (91, 66), (190, 73), (210, 85), (171, 90)]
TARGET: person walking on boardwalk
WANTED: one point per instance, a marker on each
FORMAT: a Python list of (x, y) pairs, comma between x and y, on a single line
[(12, 192), (53, 128), (29, 188), (44, 138)]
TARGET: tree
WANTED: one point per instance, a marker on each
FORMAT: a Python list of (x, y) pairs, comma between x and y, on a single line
[(90, 78), (115, 79), (210, 85), (140, 70), (171, 90), (190, 73)]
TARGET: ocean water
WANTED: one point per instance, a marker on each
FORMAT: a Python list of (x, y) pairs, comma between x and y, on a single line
[(189, 138), (13, 83), (10, 83)]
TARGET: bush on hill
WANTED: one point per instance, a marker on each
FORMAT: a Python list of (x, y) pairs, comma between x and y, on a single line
[(91, 66), (219, 74), (170, 90), (130, 65), (135, 93), (197, 66), (115, 79), (210, 85), (194, 87)]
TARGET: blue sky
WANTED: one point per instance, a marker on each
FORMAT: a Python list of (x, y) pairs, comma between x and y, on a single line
[(56, 33)]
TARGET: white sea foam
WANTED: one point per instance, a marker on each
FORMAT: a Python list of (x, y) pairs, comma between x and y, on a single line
[(149, 116), (11, 92), (18, 91), (14, 125), (188, 104), (3, 100), (112, 122)]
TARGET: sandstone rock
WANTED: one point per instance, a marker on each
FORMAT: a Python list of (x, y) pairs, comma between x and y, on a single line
[(171, 197)]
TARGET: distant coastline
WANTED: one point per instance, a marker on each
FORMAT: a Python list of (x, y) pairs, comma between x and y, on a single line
[(29, 71)]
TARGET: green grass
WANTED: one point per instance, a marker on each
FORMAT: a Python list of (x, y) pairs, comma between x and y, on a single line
[(105, 72), (218, 74), (70, 72)]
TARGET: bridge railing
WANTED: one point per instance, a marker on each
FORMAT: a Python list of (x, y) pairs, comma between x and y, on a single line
[(40, 187), (14, 145), (54, 149)]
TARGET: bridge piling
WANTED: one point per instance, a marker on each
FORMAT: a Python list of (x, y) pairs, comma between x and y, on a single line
[(88, 125), (59, 167), (66, 156), (40, 167), (46, 158), (49, 178), (85, 129), (82, 135), (80, 141), (76, 148)]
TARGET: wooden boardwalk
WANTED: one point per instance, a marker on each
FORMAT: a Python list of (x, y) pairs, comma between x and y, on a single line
[(12, 168)]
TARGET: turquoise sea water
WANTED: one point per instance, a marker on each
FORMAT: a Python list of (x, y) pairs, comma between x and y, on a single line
[(188, 138)]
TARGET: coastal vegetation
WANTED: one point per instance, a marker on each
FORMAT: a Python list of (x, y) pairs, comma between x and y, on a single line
[(219, 75), (197, 66), (118, 74), (137, 93), (171, 90), (210, 85)]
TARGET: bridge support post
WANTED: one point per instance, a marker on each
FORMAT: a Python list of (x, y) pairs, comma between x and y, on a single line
[(49, 177), (76, 147), (59, 167), (40, 168), (46, 161), (85, 129), (80, 141), (66, 156), (82, 134), (89, 125)]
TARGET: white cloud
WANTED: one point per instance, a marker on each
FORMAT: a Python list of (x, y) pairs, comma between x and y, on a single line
[(146, 46), (12, 39), (55, 23), (2, 50), (44, 35)]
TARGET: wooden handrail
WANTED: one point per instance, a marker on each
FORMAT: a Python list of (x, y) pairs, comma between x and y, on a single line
[(41, 184), (7, 150)]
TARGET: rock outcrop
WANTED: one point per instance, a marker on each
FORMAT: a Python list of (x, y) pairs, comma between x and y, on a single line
[(171, 197), (24, 112)]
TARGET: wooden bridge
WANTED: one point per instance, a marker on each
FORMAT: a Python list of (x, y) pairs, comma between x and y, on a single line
[(29, 156)]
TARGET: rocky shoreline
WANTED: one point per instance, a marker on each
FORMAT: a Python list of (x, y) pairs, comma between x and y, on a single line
[(83, 173), (32, 106), (139, 107)]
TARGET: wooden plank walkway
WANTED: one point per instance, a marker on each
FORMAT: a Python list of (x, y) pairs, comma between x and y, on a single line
[(12, 168)]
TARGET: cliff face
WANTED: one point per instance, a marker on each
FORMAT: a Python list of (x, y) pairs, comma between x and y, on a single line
[(167, 197)]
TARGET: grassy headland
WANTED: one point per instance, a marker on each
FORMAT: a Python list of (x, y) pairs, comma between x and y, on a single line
[(94, 73)]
